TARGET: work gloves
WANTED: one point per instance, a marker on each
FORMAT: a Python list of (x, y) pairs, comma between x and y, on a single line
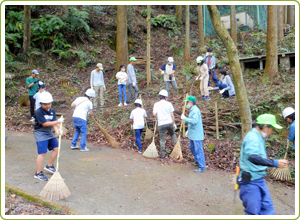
[(201, 78), (60, 132), (175, 126), (60, 120), (36, 81), (162, 72), (182, 117), (222, 91), (134, 84), (186, 133)]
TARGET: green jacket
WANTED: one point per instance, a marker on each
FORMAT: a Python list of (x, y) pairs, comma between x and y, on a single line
[(32, 89)]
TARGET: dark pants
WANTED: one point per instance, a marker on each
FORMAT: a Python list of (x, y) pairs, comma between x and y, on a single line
[(162, 135), (223, 86), (32, 104), (214, 76)]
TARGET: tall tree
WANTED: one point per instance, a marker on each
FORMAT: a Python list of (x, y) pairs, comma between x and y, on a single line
[(271, 69), (27, 28), (200, 24), (148, 45), (233, 56), (280, 20), (187, 49), (122, 42), (178, 13), (233, 31), (290, 15)]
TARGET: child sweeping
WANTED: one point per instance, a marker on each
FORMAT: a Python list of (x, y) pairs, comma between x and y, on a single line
[(137, 119)]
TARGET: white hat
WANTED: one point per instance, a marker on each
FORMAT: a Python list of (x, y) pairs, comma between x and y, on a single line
[(170, 59), (138, 101), (163, 93), (199, 59), (90, 93), (288, 111), (99, 65), (35, 72), (45, 97)]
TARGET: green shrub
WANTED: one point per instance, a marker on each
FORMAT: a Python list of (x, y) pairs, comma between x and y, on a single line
[(166, 21), (145, 11)]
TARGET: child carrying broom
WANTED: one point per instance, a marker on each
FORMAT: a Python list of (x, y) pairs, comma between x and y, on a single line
[(45, 119), (137, 119)]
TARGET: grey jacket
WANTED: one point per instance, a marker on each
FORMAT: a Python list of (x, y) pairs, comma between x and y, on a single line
[(230, 87), (131, 74)]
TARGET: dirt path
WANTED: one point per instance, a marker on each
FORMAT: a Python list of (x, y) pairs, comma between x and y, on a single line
[(107, 181)]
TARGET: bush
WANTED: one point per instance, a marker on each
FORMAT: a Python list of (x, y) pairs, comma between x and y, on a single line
[(168, 22), (145, 11)]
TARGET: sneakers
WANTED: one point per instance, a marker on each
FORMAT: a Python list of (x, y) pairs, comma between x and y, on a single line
[(195, 163), (207, 98), (32, 119), (128, 103), (120, 105), (203, 98), (95, 109), (140, 151), (125, 104), (102, 108), (199, 170), (162, 157), (40, 176), (134, 144), (84, 149), (74, 147), (50, 169)]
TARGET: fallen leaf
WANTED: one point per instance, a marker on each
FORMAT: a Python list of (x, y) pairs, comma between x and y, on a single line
[(13, 195)]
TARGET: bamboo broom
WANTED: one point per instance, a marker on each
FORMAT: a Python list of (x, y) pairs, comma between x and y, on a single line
[(177, 152), (282, 173), (56, 188), (149, 133), (110, 139), (151, 151)]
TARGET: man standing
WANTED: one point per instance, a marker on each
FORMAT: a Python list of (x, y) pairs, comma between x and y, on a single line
[(163, 112), (195, 133), (132, 83), (253, 163), (210, 60), (98, 85), (32, 85), (168, 70), (289, 115)]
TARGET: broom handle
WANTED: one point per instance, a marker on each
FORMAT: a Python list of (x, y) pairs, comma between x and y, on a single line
[(183, 110), (287, 148), (143, 107), (59, 144), (154, 130)]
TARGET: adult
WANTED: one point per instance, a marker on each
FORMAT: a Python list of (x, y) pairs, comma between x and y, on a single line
[(210, 60), (168, 70), (132, 83), (83, 107), (163, 112), (253, 163), (226, 86), (44, 137), (289, 114), (195, 133), (122, 78), (41, 88), (203, 76), (98, 85), (32, 85)]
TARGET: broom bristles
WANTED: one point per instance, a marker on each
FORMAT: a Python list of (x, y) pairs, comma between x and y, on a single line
[(151, 151), (281, 174), (148, 134), (177, 153), (56, 188)]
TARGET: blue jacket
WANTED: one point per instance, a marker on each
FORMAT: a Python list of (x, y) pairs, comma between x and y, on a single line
[(195, 126), (291, 136), (253, 144)]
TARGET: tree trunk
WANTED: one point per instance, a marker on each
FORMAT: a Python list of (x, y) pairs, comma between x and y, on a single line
[(27, 28), (122, 43), (280, 20), (290, 15), (233, 31), (187, 49), (179, 18), (201, 28), (148, 45), (233, 56), (285, 14), (271, 69)]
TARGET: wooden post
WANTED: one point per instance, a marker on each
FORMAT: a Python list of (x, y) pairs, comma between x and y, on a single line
[(183, 124), (148, 45), (217, 122)]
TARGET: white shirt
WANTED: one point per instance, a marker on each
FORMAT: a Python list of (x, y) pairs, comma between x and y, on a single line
[(37, 100), (123, 76), (163, 110), (82, 110), (97, 78), (138, 115)]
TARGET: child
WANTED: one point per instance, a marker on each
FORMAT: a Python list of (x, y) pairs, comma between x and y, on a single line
[(122, 78), (226, 86), (41, 88), (203, 76), (137, 120), (289, 115), (45, 118)]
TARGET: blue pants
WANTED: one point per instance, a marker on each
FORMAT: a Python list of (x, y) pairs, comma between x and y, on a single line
[(138, 133), (223, 86), (197, 151), (256, 198), (80, 126), (122, 87), (214, 76), (136, 91)]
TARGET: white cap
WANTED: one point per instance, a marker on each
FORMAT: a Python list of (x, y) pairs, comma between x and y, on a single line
[(199, 59), (99, 65), (138, 101), (90, 93), (163, 93), (35, 72), (170, 59), (45, 97), (288, 111)]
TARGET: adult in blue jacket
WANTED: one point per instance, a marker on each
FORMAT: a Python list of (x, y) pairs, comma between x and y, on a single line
[(253, 163), (195, 133), (289, 114)]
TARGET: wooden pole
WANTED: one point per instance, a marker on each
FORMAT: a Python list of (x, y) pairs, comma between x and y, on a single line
[(217, 122), (148, 45)]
